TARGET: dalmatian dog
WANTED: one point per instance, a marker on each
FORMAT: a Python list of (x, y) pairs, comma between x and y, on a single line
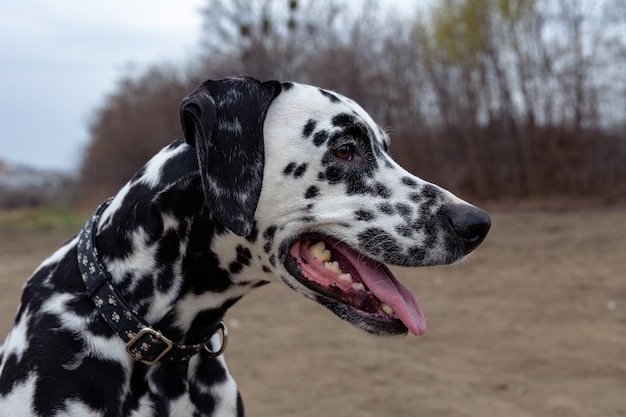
[(270, 181)]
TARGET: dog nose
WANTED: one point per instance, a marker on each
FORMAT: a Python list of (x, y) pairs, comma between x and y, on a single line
[(470, 223)]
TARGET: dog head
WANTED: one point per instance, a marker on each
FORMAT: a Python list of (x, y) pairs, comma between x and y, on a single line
[(309, 171)]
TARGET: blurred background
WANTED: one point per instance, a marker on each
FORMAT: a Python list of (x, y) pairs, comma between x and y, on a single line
[(518, 105), (496, 99)]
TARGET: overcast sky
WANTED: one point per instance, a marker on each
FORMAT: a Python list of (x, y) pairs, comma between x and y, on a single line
[(59, 59)]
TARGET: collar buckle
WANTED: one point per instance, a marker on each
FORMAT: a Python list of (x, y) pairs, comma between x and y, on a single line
[(135, 349)]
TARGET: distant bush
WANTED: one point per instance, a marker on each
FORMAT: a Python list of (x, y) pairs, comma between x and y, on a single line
[(540, 162)]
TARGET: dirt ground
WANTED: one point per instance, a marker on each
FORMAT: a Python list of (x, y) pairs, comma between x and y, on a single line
[(532, 324)]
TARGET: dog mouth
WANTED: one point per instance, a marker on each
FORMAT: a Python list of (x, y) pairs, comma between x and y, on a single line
[(354, 285)]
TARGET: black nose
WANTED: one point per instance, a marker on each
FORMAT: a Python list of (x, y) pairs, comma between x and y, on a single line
[(470, 223)]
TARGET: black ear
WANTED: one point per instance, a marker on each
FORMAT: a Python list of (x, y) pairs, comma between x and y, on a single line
[(224, 120)]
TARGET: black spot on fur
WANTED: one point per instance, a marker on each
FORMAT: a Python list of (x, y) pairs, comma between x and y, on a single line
[(417, 254), (416, 197), (333, 98), (273, 260), (178, 165), (266, 269), (287, 86), (386, 208), (72, 367), (240, 410), (404, 209), (254, 233), (182, 203), (380, 154), (206, 323), (309, 128), (137, 388), (382, 190), (308, 219), (404, 230), (364, 215), (15, 371), (198, 260), (300, 171), (320, 137), (210, 373), (334, 175), (235, 267), (295, 169), (380, 243), (142, 293), (168, 251), (261, 283), (312, 192), (244, 255), (355, 179), (268, 236), (269, 233), (409, 182), (430, 192), (163, 278), (171, 382), (343, 120), (289, 168)]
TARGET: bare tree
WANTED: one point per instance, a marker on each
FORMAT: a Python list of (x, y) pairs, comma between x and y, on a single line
[(138, 119)]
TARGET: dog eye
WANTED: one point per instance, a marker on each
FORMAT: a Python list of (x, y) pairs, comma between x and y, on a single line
[(344, 152)]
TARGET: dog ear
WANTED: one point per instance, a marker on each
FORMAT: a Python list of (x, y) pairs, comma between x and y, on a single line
[(223, 120)]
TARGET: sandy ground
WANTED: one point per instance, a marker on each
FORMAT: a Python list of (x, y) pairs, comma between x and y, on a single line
[(532, 324)]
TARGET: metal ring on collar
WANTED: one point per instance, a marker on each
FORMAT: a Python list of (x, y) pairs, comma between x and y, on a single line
[(221, 328)]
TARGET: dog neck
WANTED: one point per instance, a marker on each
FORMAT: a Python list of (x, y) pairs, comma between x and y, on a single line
[(157, 240)]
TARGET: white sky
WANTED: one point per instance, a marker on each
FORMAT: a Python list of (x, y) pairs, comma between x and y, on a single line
[(59, 59)]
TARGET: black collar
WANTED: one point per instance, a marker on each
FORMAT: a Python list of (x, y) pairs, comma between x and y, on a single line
[(143, 343)]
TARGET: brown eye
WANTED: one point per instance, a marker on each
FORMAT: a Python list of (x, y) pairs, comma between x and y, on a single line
[(344, 152)]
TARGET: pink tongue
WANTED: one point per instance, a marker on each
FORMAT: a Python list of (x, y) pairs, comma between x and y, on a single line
[(390, 291)]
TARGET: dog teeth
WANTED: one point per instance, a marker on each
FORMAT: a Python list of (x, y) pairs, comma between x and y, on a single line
[(333, 266), (320, 252), (387, 309), (359, 286), (345, 277)]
